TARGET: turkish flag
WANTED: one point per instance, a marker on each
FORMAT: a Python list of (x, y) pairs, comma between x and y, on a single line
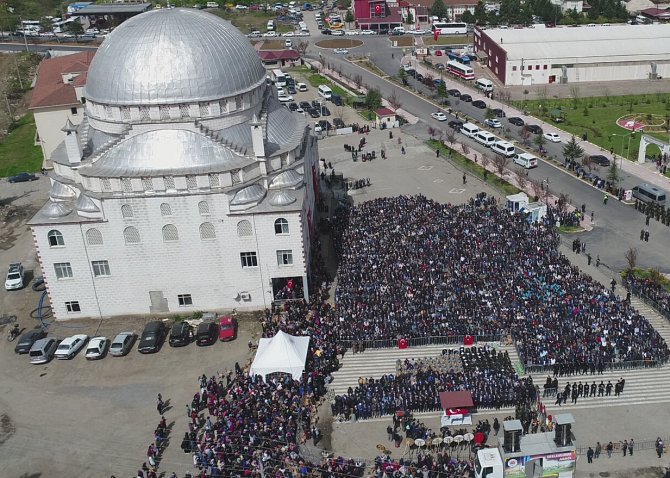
[(436, 34), (378, 9)]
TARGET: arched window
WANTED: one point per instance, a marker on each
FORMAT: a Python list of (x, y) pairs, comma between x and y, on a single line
[(244, 229), (166, 210), (94, 237), (131, 235), (207, 231), (203, 208), (281, 226), (126, 210), (55, 238), (170, 233)]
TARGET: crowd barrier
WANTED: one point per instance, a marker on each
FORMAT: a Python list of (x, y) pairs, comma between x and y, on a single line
[(648, 300), (422, 341), (608, 366)]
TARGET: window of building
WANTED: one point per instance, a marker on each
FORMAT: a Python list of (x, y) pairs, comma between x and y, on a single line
[(131, 235), (544, 67), (125, 113), (101, 268), (537, 67), (106, 184), (170, 233), (74, 110), (144, 113), (164, 112), (207, 231), (94, 237), (72, 306), (514, 68), (147, 184), (203, 208), (191, 182), (204, 109), (238, 102), (236, 176), (184, 300), (285, 257), (249, 259), (281, 226), (127, 185), (244, 228), (214, 181), (166, 210), (183, 111), (55, 238), (169, 183), (126, 210), (63, 270)]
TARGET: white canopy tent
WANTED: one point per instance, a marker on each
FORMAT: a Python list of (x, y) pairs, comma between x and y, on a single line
[(281, 353)]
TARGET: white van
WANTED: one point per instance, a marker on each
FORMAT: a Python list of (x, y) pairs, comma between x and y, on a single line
[(469, 130), (271, 25), (399, 30), (484, 84), (503, 148), (325, 91), (525, 160), (485, 138)]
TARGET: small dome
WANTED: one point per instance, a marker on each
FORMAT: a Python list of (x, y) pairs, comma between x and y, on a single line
[(282, 198), (54, 210), (287, 179), (248, 195), (173, 56), (86, 204), (60, 191)]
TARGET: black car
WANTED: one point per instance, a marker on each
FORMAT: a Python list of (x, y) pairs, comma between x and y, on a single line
[(455, 124), (305, 105), (293, 106), (516, 121), (455, 93), (325, 125), (336, 99), (498, 112), (22, 178), (316, 104), (327, 31), (325, 111), (28, 339), (152, 337), (291, 89), (466, 98), (181, 334), (600, 160), (419, 77), (533, 128), (314, 113), (338, 123), (479, 104), (207, 333)]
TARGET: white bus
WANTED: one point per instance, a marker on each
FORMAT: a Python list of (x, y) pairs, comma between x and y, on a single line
[(460, 70), (450, 28), (278, 77)]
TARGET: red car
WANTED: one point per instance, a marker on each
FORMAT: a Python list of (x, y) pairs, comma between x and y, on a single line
[(438, 52), (227, 328)]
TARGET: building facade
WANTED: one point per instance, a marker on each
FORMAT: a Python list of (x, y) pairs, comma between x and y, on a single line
[(187, 186)]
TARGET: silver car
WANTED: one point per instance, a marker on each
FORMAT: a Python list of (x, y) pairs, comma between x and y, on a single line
[(122, 344)]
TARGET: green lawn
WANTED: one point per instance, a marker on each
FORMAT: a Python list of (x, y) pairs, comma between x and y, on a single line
[(317, 80), (18, 152), (596, 117), (250, 21)]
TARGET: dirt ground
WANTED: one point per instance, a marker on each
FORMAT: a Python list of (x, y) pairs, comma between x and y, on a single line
[(10, 65)]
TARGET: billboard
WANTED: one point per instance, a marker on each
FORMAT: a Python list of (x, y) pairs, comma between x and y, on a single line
[(554, 465)]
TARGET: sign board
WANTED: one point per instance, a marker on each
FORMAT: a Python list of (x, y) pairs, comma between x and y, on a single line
[(554, 465), (628, 195), (422, 51)]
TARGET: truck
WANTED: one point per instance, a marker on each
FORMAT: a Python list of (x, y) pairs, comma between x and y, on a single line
[(488, 463)]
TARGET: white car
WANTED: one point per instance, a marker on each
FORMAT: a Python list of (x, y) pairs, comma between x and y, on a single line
[(301, 86), (288, 34), (553, 137), (304, 33), (14, 279), (69, 347), (418, 32), (352, 32), (337, 33), (284, 98), (439, 116), (368, 32), (341, 51), (493, 123), (270, 34), (288, 43), (96, 348), (317, 128), (255, 34)]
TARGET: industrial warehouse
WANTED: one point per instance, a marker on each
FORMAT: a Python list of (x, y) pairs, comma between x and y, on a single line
[(532, 56)]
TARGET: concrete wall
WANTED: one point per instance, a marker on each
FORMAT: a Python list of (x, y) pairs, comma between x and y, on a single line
[(49, 122)]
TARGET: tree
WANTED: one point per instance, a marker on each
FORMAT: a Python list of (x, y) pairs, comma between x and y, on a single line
[(587, 162), (521, 178), (358, 81), (373, 100), (75, 28), (537, 188), (468, 17), (349, 17), (465, 148), (432, 132), (525, 135), (572, 151), (301, 47), (500, 163), (631, 258), (563, 201), (510, 10), (450, 137), (480, 13), (342, 4), (402, 74), (490, 114), (410, 19), (394, 101), (540, 141), (46, 25), (613, 173), (442, 90), (439, 10)]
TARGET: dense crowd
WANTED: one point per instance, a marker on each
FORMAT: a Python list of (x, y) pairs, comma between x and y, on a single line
[(652, 289), (411, 267)]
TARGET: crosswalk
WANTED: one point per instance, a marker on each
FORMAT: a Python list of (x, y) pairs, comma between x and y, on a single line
[(643, 386)]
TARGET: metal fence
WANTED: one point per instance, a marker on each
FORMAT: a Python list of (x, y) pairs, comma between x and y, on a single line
[(421, 341), (648, 300), (609, 366), (617, 446)]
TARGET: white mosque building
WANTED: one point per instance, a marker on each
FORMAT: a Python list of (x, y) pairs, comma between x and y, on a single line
[(187, 186)]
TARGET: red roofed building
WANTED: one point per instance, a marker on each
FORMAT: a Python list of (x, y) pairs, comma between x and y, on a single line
[(274, 57), (385, 118), (377, 15), (57, 97), (656, 14), (420, 9)]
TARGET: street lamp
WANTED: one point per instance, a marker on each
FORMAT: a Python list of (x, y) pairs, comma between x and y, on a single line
[(623, 136)]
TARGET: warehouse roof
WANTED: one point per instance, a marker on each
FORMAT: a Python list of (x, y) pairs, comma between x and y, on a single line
[(585, 44)]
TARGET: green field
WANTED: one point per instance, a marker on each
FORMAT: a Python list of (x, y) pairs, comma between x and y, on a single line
[(250, 21), (18, 152), (596, 117)]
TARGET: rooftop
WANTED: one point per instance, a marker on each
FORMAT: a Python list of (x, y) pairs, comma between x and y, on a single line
[(50, 89), (585, 44), (114, 8)]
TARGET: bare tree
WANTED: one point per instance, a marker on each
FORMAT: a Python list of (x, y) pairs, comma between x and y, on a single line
[(563, 202), (521, 178), (631, 258), (432, 131), (500, 164), (587, 162), (525, 135), (450, 137), (394, 101), (358, 80), (301, 47), (465, 148), (485, 160), (440, 136), (537, 188)]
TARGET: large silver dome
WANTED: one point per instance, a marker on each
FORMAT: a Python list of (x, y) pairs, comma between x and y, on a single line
[(171, 56)]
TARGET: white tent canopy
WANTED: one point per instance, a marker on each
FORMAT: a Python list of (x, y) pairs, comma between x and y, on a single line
[(281, 353)]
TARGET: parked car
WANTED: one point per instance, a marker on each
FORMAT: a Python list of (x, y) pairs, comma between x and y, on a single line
[(122, 344), (479, 104), (181, 334), (207, 333), (288, 43), (341, 51), (305, 105), (318, 128), (313, 112), (553, 137), (516, 121), (455, 124), (27, 340), (325, 111), (293, 106), (498, 112), (227, 328), (438, 53), (326, 31), (97, 347), (455, 93), (368, 32), (69, 347), (337, 33), (43, 350), (493, 123), (439, 116), (301, 86), (152, 337), (284, 98), (22, 178), (466, 98), (325, 125), (533, 128), (338, 123), (600, 160), (14, 279)]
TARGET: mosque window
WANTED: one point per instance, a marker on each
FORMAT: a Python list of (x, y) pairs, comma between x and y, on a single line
[(169, 183), (166, 210), (94, 237), (170, 233), (207, 231), (127, 185), (214, 181), (131, 235), (191, 182), (244, 228), (203, 208)]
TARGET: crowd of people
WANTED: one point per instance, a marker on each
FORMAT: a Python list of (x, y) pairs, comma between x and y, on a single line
[(652, 289), (423, 269)]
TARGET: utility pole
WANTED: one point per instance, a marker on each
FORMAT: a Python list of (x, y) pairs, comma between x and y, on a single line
[(18, 72)]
